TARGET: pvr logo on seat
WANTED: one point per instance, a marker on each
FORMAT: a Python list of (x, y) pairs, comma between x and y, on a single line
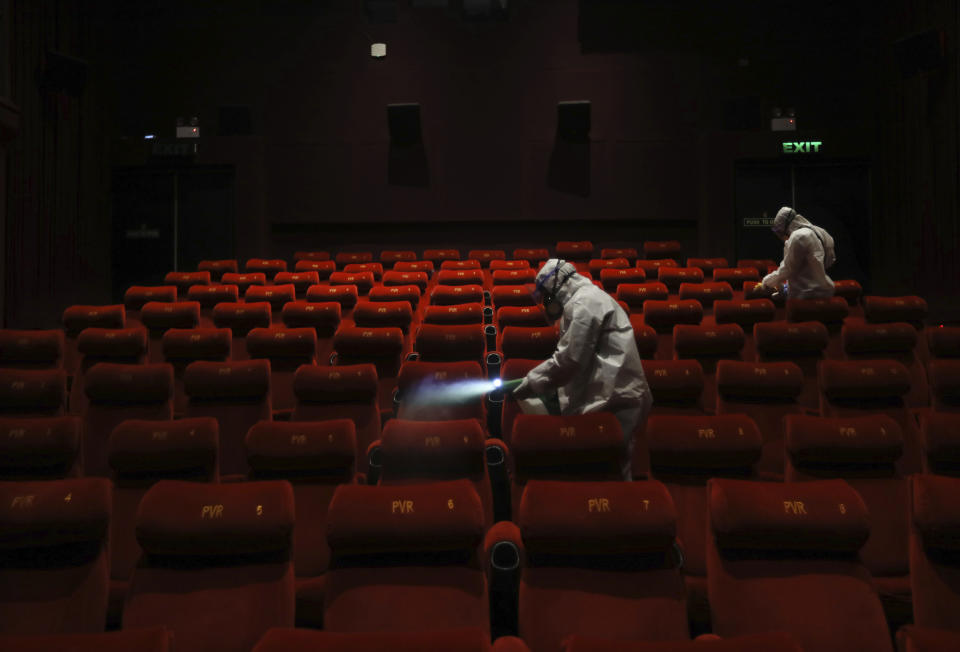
[(211, 511), (598, 505), (402, 507), (22, 502), (794, 507)]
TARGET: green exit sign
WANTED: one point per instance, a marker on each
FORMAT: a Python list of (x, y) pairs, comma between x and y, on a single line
[(802, 147)]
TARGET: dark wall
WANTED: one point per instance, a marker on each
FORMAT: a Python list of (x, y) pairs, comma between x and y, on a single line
[(679, 93)]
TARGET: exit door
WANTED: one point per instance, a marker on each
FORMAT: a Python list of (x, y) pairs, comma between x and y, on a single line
[(831, 194)]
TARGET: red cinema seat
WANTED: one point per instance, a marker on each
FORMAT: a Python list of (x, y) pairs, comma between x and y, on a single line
[(511, 296), (154, 639), (438, 256), (362, 268), (237, 395), (77, 318), (850, 291), (435, 451), (208, 296), (450, 343), (140, 454), (514, 276), (856, 388), (363, 282), (439, 391), (612, 278), (456, 314), (745, 313), (186, 280), (630, 253), (137, 295), (863, 451), (509, 264), (345, 258), (660, 249), (673, 277), (677, 388), (323, 268), (117, 393), (636, 294), (891, 341), (882, 310), (397, 278), (241, 318), (575, 447), (425, 266), (382, 347), (37, 349), (685, 452), (580, 250), (276, 295), (94, 345), (159, 317), (286, 349), (461, 277), (509, 408), (54, 559), (736, 276), (766, 392), (486, 256), (300, 281), (323, 318), (447, 295), (783, 556), (405, 558), (934, 540), (520, 316), (800, 343), (597, 265), (599, 559), (940, 443), (217, 567), (244, 281), (315, 457), (707, 265), (762, 265), (705, 293), (269, 267), (528, 342), (750, 643), (829, 312), (387, 294), (384, 314), (218, 268), (346, 295), (388, 258), (455, 265), (344, 392), (44, 448), (924, 639), (652, 267), (645, 338), (535, 256), (183, 346), (709, 345), (311, 256), (466, 639)]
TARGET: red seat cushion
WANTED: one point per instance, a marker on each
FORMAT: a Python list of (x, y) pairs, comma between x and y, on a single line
[(887, 309)]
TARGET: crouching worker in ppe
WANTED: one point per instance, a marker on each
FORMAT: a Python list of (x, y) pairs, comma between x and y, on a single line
[(808, 251), (596, 367)]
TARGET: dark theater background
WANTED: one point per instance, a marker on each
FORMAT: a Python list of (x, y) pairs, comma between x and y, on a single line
[(268, 269)]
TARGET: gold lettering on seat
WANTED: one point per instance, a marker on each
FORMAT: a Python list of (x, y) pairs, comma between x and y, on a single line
[(431, 442), (68, 497), (568, 432), (848, 432), (793, 331), (745, 306), (660, 372), (110, 336), (450, 504), (298, 440), (868, 371), (759, 371), (279, 336), (598, 505), (452, 310), (159, 435), (309, 308), (333, 375), (740, 431), (394, 291), (646, 505), (535, 335), (367, 334), (450, 337), (402, 506), (224, 371), (22, 502), (16, 433), (706, 433), (259, 510), (381, 310), (795, 507), (211, 511), (843, 508), (18, 385), (195, 338)]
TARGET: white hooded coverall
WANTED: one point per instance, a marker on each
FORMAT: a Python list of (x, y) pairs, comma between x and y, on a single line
[(596, 366), (808, 251)]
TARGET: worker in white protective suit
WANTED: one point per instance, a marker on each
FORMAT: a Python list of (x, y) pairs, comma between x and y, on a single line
[(596, 366), (808, 251)]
